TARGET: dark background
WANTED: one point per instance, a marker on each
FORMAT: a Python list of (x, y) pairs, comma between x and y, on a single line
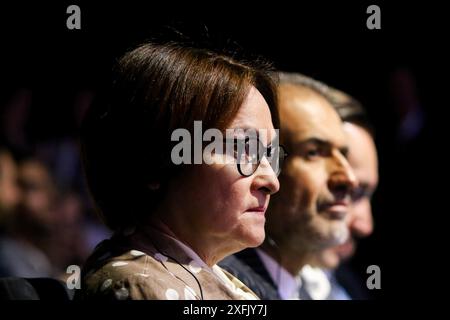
[(327, 41)]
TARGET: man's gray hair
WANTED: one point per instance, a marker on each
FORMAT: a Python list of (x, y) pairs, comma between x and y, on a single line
[(348, 108)]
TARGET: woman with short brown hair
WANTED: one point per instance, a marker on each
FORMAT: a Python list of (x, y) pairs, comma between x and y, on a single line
[(173, 223)]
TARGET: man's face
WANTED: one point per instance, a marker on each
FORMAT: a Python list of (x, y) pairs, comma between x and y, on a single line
[(309, 213), (363, 159)]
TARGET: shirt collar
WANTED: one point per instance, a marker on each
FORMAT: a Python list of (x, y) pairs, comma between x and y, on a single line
[(316, 282), (215, 269)]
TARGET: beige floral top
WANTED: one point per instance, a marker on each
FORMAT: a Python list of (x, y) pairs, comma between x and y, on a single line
[(153, 265)]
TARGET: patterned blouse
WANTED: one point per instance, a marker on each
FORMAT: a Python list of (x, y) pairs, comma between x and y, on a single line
[(153, 265)]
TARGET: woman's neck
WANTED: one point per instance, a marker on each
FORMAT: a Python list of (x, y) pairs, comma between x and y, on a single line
[(210, 250)]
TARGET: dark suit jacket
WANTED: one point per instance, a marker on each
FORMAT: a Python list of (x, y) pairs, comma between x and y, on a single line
[(248, 267), (352, 283)]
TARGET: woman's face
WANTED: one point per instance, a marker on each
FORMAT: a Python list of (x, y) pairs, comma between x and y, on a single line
[(218, 202)]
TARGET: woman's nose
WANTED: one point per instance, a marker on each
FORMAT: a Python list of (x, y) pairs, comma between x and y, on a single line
[(265, 178)]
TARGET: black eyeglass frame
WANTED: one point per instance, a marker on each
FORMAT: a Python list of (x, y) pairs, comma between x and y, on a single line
[(262, 152)]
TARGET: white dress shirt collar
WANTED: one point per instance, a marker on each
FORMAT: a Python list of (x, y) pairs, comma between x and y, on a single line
[(314, 280)]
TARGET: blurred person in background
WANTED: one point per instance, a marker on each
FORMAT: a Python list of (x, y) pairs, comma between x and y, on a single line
[(53, 219), (25, 250), (9, 190), (68, 235), (9, 199), (363, 158)]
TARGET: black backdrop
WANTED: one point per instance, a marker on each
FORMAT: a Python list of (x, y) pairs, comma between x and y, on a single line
[(325, 40)]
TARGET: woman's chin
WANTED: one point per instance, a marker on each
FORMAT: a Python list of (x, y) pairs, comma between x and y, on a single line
[(255, 239)]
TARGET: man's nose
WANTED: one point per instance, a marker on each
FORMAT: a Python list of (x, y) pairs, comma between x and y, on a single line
[(342, 178), (361, 222)]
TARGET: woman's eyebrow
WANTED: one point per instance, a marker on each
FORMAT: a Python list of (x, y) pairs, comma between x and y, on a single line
[(244, 128), (242, 131)]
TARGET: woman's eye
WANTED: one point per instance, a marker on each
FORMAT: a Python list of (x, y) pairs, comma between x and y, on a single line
[(250, 147), (240, 148), (235, 149), (247, 148), (250, 155)]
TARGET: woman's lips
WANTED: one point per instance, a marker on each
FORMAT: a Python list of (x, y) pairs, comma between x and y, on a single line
[(260, 210)]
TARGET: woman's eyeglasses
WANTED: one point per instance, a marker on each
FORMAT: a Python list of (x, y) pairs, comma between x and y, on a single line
[(250, 152)]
